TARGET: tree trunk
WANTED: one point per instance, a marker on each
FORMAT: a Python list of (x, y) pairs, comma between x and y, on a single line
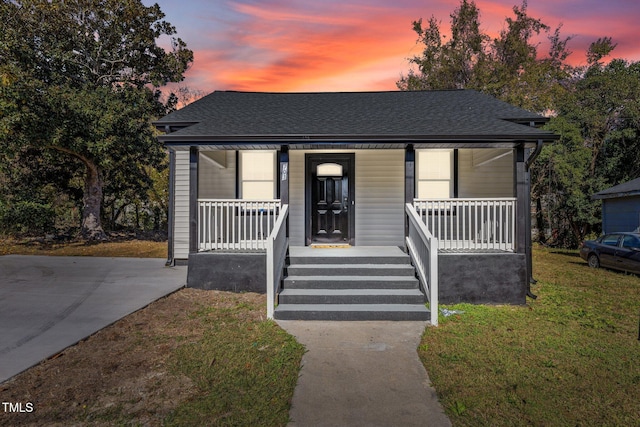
[(92, 200)]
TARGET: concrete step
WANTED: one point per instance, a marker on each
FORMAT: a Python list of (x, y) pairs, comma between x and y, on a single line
[(350, 282), (349, 259), (351, 255), (351, 312), (356, 283), (350, 270), (351, 296)]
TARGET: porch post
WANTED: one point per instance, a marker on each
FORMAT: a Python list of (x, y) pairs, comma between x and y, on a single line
[(522, 203), (193, 199), (409, 180), (409, 173), (284, 174)]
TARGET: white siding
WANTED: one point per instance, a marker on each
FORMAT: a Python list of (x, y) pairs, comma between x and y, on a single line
[(379, 217), (181, 206), (492, 179), (380, 197), (215, 182)]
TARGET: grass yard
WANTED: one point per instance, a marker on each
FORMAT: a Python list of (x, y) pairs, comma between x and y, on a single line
[(124, 248), (246, 371), (571, 357)]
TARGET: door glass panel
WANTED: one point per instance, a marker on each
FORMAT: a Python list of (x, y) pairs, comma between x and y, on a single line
[(329, 169)]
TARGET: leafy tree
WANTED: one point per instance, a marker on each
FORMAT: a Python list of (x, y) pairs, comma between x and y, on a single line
[(599, 123), (76, 82), (517, 73), (562, 189), (448, 65), (606, 107), (507, 67), (36, 176)]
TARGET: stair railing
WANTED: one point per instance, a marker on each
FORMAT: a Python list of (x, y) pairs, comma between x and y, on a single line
[(276, 244), (423, 248)]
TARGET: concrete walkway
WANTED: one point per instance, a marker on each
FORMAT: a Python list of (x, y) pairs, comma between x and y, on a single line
[(50, 303), (362, 374)]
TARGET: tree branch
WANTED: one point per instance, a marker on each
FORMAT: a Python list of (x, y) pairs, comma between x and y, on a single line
[(90, 164)]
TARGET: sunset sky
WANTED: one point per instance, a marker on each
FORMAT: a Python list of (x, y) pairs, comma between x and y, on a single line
[(356, 45)]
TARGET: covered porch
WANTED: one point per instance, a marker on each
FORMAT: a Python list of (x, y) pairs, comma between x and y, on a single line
[(242, 242), (467, 197)]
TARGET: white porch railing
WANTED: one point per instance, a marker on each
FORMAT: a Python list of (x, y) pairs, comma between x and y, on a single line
[(423, 248), (276, 245), (470, 224), (235, 224)]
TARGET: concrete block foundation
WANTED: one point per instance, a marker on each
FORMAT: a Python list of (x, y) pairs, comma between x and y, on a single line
[(483, 278), (235, 272)]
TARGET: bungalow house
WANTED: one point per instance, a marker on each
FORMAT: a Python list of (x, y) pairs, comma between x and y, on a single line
[(354, 205), (620, 207)]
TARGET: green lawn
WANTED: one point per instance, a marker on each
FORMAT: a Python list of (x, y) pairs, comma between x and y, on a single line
[(571, 357), (246, 371)]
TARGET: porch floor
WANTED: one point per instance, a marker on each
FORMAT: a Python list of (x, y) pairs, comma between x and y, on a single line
[(349, 251), (375, 251), (474, 251)]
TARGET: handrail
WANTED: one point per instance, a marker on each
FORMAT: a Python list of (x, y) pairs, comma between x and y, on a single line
[(423, 249), (276, 244)]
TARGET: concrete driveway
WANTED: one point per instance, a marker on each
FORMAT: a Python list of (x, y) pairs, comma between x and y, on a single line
[(50, 303)]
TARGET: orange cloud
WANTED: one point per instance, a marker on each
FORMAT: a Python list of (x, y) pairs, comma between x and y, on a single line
[(279, 45), (296, 49)]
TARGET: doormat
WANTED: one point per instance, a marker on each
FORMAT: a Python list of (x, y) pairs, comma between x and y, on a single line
[(331, 246)]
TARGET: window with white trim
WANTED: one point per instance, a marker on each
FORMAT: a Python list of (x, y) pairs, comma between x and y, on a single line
[(257, 175), (434, 174)]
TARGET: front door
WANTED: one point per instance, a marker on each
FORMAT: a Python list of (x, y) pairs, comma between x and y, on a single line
[(330, 201)]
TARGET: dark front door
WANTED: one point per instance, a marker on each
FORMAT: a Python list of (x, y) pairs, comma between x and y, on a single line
[(330, 198)]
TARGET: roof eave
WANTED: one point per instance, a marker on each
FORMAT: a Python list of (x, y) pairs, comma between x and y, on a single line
[(171, 138), (537, 121), (172, 126), (599, 196)]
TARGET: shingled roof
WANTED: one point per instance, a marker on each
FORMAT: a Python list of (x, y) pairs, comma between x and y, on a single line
[(351, 116), (627, 189)]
